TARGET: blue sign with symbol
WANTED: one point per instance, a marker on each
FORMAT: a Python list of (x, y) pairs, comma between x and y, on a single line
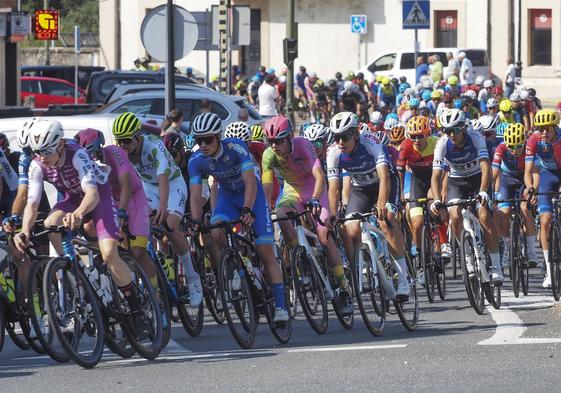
[(358, 24), (416, 14)]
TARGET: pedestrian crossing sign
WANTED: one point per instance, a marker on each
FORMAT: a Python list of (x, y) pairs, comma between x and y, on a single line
[(416, 14)]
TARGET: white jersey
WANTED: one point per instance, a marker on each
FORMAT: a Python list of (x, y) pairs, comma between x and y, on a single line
[(155, 160), (462, 161)]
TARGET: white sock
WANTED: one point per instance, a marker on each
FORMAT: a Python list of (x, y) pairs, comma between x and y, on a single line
[(546, 257), (531, 244), (401, 269), (188, 264), (495, 260)]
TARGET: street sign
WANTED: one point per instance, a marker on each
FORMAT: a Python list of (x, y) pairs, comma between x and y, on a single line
[(20, 25), (46, 25), (359, 24), (416, 14), (241, 31)]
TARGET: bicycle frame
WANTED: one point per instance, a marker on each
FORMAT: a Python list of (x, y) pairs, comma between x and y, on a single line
[(472, 226)]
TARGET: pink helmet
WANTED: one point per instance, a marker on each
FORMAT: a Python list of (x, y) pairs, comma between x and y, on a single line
[(277, 127), (90, 139)]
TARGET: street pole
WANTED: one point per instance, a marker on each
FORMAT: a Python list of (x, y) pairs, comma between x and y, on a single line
[(207, 38), (228, 47), (47, 54), (77, 46), (518, 69), (290, 65), (170, 63), (416, 54)]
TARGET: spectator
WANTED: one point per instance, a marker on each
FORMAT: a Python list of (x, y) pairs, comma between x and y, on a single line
[(243, 115), (453, 66), (466, 69), (173, 122), (510, 76), (268, 96), (205, 106), (189, 72), (300, 77), (422, 68), (436, 68)]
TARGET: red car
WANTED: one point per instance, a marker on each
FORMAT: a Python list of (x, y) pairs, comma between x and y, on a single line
[(49, 91)]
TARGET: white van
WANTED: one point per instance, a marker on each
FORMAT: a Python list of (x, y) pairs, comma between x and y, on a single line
[(395, 64)]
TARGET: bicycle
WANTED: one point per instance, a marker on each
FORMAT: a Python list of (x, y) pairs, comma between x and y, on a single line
[(555, 244), (313, 281), (375, 278), (474, 256), (431, 262), (244, 292), (83, 301)]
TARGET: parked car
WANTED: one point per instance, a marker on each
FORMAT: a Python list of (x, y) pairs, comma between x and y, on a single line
[(125, 88), (150, 104), (402, 62), (49, 91), (103, 82), (65, 72)]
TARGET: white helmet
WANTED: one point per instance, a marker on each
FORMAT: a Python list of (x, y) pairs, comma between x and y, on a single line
[(282, 79), (479, 80), (239, 130), (24, 132), (514, 97), (344, 122), (472, 95), (488, 83), (524, 94), (476, 125), (312, 74), (376, 117), (348, 85), (390, 123), (488, 122), (207, 123), (452, 118), (315, 132), (492, 103), (363, 127), (45, 135)]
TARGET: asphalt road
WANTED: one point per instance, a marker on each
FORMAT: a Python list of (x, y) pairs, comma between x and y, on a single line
[(453, 350)]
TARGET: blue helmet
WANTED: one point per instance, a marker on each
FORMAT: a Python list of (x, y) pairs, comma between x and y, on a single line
[(189, 70), (458, 103), (392, 115), (303, 127), (426, 95), (500, 130), (413, 103)]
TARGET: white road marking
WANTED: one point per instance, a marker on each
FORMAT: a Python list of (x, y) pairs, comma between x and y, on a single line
[(348, 348), (510, 327)]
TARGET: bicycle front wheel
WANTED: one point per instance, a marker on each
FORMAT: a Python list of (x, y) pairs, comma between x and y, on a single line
[(555, 260), (427, 263), (191, 317), (514, 255), (408, 310), (470, 272), (2, 325)]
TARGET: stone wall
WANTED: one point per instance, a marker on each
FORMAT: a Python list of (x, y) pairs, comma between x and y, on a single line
[(59, 56)]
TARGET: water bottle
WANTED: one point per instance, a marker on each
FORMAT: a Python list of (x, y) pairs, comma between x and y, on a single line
[(8, 287), (169, 269)]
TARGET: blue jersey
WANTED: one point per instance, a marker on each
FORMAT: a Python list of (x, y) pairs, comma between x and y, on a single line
[(23, 168), (233, 158), (463, 161)]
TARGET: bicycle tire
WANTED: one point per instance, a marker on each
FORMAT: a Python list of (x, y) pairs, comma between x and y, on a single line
[(164, 299), (244, 334), (283, 251), (455, 251), (281, 331), (514, 256), (441, 281), (94, 315), (427, 263), (492, 292), (304, 270), (375, 322), (192, 318), (116, 340), (554, 260), (346, 321), (2, 325), (409, 316), (472, 283)]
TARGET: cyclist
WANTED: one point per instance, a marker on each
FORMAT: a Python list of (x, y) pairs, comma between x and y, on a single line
[(508, 177), (349, 100), (464, 152), (544, 149), (69, 168), (376, 121), (386, 93), (320, 137), (412, 109), (368, 166), (240, 195), (488, 129), (304, 186), (519, 112), (164, 188), (505, 111)]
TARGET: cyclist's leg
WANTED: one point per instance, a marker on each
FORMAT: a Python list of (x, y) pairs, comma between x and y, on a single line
[(361, 200), (529, 233), (288, 202), (509, 185), (457, 189), (419, 189)]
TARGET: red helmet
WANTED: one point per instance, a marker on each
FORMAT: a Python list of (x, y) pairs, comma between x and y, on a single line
[(277, 127), (498, 90), (90, 139), (173, 142)]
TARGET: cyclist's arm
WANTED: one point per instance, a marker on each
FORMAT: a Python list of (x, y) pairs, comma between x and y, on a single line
[(529, 163), (250, 182), (34, 197), (268, 174), (496, 180), (333, 195), (485, 174), (126, 190), (163, 188), (346, 193), (86, 173), (320, 182), (89, 201), (436, 183), (385, 184), (20, 201)]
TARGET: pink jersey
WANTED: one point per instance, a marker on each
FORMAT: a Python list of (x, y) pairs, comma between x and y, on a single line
[(117, 159)]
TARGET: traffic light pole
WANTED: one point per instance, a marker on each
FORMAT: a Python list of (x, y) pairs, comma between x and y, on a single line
[(290, 65), (47, 42)]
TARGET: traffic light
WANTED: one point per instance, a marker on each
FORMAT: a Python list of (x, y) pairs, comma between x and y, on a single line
[(290, 47)]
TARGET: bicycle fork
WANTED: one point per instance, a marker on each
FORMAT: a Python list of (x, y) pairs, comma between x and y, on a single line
[(475, 233), (380, 261)]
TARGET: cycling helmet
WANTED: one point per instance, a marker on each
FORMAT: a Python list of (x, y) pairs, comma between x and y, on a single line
[(385, 81), (350, 75), (514, 97), (348, 86), (45, 136), (546, 117), (489, 123), (312, 75), (452, 118), (458, 103), (488, 83), (331, 83), (392, 115), (418, 125), (524, 94), (303, 127), (390, 123), (344, 122), (397, 134), (505, 105), (436, 94), (376, 117), (189, 141), (24, 132), (426, 95), (476, 125), (315, 132), (257, 133), (532, 92), (514, 134), (126, 125), (90, 139), (426, 83), (362, 128), (382, 138), (492, 103), (271, 71), (413, 103), (498, 90), (500, 129), (173, 142), (277, 127), (453, 80), (401, 89), (207, 123), (471, 94), (239, 130), (479, 80)]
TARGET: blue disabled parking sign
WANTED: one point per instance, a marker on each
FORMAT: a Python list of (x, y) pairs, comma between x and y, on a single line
[(358, 24), (416, 14)]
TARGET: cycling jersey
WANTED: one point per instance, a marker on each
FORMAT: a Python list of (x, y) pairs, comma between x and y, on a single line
[(361, 164), (548, 155), (507, 162), (155, 160), (23, 168), (419, 163), (9, 175), (349, 101), (462, 161)]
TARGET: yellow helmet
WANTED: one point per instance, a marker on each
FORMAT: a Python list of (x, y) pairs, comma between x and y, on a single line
[(505, 106), (515, 134), (126, 125), (418, 125), (453, 80), (546, 117), (397, 134), (436, 94), (386, 81)]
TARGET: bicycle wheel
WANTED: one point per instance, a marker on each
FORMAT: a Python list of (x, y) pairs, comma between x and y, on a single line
[(237, 299), (472, 281), (116, 340), (455, 254), (15, 325), (2, 325), (408, 310), (440, 274), (284, 252), (73, 312), (427, 263), (281, 331), (369, 291), (347, 321), (524, 273), (310, 290), (514, 256), (151, 346), (492, 292), (554, 260), (163, 296), (210, 284)]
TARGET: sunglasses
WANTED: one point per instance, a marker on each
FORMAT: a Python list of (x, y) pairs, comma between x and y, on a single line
[(45, 152), (318, 144), (417, 137), (276, 141), (207, 140), (342, 137), (453, 130), (124, 141), (546, 129), (515, 147)]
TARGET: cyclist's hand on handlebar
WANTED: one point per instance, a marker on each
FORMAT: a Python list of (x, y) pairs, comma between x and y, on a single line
[(161, 215), (483, 197), (21, 241), (382, 212), (330, 222), (10, 224), (72, 220), (314, 206), (247, 216), (435, 206), (530, 195)]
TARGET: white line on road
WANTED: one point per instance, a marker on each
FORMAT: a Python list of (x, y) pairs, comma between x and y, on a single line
[(348, 348)]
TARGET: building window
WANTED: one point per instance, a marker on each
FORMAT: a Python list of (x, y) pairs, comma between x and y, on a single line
[(540, 37), (446, 29)]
